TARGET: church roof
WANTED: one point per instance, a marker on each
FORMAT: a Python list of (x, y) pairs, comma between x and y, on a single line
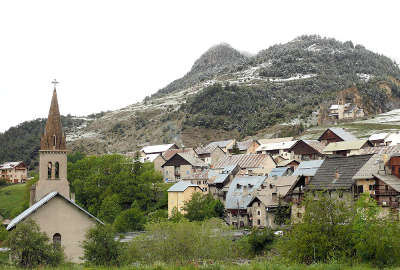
[(39, 204), (53, 128)]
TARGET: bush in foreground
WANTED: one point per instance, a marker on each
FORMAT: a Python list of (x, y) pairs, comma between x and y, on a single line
[(29, 247)]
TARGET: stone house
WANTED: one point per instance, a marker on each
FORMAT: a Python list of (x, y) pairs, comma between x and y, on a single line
[(378, 139), (280, 149), (346, 148), (219, 181), (182, 165), (238, 198), (14, 172), (250, 164), (266, 200), (345, 111), (210, 153), (179, 194), (334, 134), (51, 206), (307, 150)]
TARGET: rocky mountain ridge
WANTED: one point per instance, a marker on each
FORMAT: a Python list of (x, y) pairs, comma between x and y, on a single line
[(227, 94)]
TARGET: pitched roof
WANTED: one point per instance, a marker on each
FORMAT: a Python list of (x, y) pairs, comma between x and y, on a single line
[(181, 186), (285, 162), (393, 138), (378, 136), (240, 191), (391, 180), (150, 149), (341, 133), (275, 146), (42, 202), (308, 168), (53, 129), (278, 171), (345, 145), (347, 167), (193, 160), (170, 152), (275, 140), (369, 168), (243, 160), (315, 144), (381, 150), (10, 165), (243, 145), (209, 148)]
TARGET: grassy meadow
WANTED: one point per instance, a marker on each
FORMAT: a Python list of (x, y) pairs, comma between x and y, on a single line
[(12, 199)]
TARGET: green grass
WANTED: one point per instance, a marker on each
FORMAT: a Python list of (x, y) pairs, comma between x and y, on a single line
[(11, 200)]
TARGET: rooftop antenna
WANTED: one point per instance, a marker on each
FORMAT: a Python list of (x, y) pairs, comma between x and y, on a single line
[(55, 83)]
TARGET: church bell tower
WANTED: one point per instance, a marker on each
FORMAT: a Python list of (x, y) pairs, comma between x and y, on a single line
[(52, 156)]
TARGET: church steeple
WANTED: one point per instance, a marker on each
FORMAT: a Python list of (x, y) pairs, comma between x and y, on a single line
[(53, 137)]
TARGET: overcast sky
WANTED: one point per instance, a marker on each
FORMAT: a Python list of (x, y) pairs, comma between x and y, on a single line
[(109, 54)]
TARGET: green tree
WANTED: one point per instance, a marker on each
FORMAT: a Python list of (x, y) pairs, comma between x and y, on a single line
[(376, 237), (29, 247), (258, 241), (110, 208), (323, 234), (282, 214), (235, 149), (201, 207), (100, 247), (132, 219)]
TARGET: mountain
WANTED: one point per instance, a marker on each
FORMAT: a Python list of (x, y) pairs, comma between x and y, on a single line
[(228, 94)]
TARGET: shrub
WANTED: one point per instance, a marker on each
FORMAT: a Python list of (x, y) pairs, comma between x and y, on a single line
[(183, 242), (100, 247), (258, 241), (110, 208), (29, 247), (132, 219), (202, 207)]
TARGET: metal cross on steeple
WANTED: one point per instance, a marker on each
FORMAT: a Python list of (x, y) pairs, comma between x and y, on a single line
[(55, 83)]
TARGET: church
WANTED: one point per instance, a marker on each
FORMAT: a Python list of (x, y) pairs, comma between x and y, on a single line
[(52, 205)]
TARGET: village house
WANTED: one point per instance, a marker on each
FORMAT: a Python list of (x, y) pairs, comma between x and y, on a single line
[(179, 194), (160, 159), (307, 150), (14, 172), (378, 139), (290, 163), (51, 207), (278, 149), (245, 147), (334, 134), (210, 153), (238, 198), (220, 179), (182, 165), (199, 178), (335, 175), (345, 111), (272, 194), (346, 148), (250, 164)]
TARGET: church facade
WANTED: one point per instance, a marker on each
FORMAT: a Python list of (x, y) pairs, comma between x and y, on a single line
[(51, 206)]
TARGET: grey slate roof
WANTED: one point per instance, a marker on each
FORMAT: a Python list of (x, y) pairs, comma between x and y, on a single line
[(241, 190), (211, 147), (243, 145), (193, 160), (345, 145), (42, 202), (369, 168), (181, 186), (279, 171), (347, 167), (391, 180), (308, 168)]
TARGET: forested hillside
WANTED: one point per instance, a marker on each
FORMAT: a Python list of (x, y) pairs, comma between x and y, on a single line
[(23, 141)]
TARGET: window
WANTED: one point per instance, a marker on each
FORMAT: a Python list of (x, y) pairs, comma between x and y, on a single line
[(57, 172), (258, 222), (258, 203), (371, 187), (386, 187), (360, 189), (54, 140), (187, 172), (57, 239), (258, 213), (49, 169)]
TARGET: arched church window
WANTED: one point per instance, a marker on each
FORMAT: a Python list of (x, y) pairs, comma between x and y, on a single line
[(49, 168), (57, 170), (54, 140), (57, 239)]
